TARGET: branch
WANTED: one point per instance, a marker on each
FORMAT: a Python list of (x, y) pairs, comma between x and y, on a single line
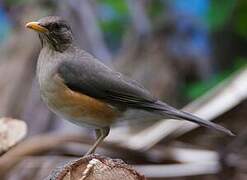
[(179, 170), (139, 16), (50, 141)]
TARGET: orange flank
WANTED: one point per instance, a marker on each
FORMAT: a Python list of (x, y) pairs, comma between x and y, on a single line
[(77, 105)]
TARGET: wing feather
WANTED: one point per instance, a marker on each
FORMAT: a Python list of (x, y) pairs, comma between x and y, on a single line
[(96, 80)]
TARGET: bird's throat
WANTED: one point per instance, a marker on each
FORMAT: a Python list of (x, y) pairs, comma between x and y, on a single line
[(55, 43)]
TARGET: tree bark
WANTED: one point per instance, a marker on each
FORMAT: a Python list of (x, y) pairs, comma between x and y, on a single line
[(95, 167)]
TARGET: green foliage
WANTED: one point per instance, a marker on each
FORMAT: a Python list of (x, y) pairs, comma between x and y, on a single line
[(194, 90), (115, 21), (219, 13), (113, 31), (119, 6), (156, 8), (240, 20), (16, 2)]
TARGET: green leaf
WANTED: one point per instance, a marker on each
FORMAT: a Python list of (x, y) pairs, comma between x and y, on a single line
[(240, 18), (219, 13), (194, 90), (118, 5)]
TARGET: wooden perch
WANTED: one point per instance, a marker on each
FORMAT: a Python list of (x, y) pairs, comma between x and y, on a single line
[(11, 132), (95, 167)]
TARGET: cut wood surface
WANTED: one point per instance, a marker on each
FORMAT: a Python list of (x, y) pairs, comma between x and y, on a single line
[(95, 167), (11, 132)]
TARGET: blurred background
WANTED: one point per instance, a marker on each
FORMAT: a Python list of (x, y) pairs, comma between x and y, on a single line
[(191, 54)]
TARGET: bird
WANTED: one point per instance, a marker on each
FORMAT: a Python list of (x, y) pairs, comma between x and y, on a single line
[(78, 87)]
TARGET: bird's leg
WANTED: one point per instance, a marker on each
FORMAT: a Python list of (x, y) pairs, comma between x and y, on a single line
[(100, 134)]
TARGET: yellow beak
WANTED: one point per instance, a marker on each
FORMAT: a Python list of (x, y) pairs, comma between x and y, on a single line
[(35, 26)]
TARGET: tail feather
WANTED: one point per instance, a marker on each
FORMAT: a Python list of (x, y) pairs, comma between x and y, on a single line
[(168, 110)]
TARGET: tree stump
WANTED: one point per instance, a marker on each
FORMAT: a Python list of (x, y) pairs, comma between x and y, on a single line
[(95, 167)]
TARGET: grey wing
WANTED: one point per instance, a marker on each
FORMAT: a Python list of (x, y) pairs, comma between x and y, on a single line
[(94, 79)]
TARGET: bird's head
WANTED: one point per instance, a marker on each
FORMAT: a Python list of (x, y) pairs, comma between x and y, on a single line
[(53, 32)]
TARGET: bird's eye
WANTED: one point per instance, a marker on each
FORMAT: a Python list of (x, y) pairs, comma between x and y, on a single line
[(56, 26)]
